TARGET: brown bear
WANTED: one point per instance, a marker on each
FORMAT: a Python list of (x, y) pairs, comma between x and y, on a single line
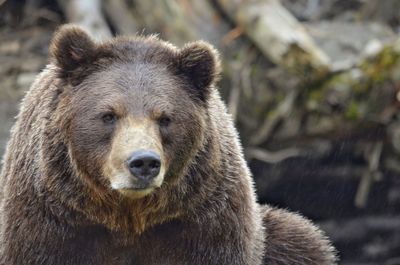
[(123, 153)]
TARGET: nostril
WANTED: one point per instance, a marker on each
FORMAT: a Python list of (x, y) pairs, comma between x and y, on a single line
[(154, 164), (136, 163)]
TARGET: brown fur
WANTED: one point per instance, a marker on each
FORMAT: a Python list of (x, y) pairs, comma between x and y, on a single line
[(57, 203), (292, 239)]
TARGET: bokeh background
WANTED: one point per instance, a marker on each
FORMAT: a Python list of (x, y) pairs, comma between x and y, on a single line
[(313, 86)]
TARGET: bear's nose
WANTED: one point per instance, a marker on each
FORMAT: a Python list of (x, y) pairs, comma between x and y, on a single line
[(144, 165)]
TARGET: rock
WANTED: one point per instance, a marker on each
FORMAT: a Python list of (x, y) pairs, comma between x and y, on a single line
[(346, 42), (10, 47), (313, 10)]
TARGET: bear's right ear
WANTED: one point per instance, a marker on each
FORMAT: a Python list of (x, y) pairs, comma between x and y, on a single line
[(71, 47)]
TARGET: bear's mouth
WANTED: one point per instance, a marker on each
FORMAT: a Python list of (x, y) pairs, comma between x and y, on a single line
[(137, 186), (134, 188)]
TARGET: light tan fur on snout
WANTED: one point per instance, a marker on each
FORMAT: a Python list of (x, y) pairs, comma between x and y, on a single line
[(130, 136)]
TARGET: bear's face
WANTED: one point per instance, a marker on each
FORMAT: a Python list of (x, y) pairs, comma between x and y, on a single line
[(132, 123), (137, 108)]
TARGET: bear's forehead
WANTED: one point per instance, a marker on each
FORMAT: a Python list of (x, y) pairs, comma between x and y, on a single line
[(133, 86), (141, 49), (135, 77)]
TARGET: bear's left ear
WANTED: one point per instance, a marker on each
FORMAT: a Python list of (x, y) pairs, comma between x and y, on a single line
[(71, 47), (199, 62)]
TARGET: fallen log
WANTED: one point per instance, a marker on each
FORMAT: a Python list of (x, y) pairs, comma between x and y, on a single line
[(278, 35)]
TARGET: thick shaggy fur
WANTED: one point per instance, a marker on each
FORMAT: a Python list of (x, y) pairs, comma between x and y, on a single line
[(57, 206)]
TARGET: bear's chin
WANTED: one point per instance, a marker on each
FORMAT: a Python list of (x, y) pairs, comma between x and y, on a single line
[(136, 193)]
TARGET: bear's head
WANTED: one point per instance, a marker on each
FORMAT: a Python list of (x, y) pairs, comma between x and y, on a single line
[(133, 111)]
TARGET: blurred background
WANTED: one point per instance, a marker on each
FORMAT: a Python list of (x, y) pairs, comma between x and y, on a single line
[(313, 86)]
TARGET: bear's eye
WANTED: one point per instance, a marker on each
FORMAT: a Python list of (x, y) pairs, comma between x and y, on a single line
[(164, 121), (109, 118)]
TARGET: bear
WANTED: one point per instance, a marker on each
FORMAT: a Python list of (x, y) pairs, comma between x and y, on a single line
[(123, 153)]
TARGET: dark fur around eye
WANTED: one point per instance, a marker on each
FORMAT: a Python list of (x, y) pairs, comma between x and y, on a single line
[(109, 118), (164, 121)]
